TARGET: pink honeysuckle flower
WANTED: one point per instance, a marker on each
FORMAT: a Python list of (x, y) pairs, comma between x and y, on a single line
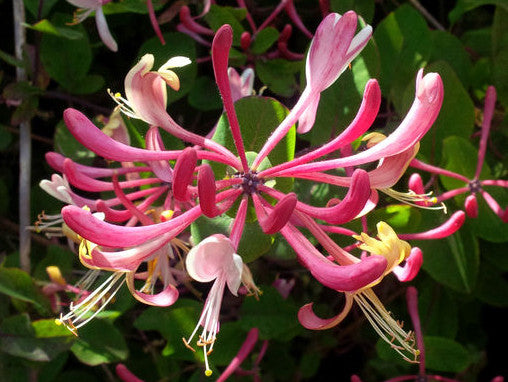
[(213, 259), (86, 7), (393, 250), (475, 185)]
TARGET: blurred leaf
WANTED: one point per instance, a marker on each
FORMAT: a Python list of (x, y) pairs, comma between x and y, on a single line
[(405, 43), (66, 61), (309, 363), (88, 84), (229, 341), (100, 342), (366, 66), (20, 90), (364, 8), (45, 26), (478, 41), (500, 53), (18, 284), (278, 75), (33, 7), (204, 95), (219, 15), (443, 354), (452, 261), (275, 317), (49, 329), (492, 285), (50, 370), (456, 116), (55, 255), (463, 6), (11, 60), (253, 244), (130, 6), (447, 47), (25, 111), (177, 44), (19, 339), (68, 146), (263, 40), (438, 310), (174, 324)]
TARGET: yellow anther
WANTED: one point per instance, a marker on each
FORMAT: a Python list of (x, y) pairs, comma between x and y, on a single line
[(166, 215), (208, 372)]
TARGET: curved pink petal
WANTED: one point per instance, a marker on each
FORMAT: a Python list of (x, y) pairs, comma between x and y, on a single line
[(183, 173), (110, 235), (494, 205), (421, 116), (102, 28), (87, 183), (308, 117), (471, 206), (154, 142), (127, 260), (310, 320), (339, 277), (166, 297), (410, 269), (206, 191), (446, 229), (366, 115), (278, 217)]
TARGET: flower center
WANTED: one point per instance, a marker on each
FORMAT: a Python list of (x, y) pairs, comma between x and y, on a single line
[(475, 186), (250, 181)]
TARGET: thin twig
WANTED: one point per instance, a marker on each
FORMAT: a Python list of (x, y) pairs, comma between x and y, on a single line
[(427, 15), (25, 144)]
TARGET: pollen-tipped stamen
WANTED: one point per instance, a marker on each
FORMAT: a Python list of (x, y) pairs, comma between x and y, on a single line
[(388, 329), (413, 199)]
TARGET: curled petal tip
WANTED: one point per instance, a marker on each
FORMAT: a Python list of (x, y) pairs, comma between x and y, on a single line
[(430, 88), (471, 206)]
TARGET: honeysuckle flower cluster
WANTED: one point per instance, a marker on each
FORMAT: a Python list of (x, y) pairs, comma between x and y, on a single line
[(475, 185), (159, 192)]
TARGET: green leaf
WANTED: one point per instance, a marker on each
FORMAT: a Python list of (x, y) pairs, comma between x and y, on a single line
[(492, 285), (18, 284), (443, 354), (404, 43), (177, 44), (456, 116), (447, 47), (100, 342), (204, 95), (11, 60), (19, 339), (45, 26), (66, 61), (275, 317), (279, 75), (130, 6), (90, 83), (49, 329), (218, 16), (68, 146), (463, 6), (33, 7), (264, 40), (438, 309), (452, 261), (364, 8), (55, 255), (478, 41), (253, 244), (500, 53), (174, 324)]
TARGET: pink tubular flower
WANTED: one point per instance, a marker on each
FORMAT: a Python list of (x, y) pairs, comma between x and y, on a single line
[(475, 185), (88, 6), (214, 259)]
